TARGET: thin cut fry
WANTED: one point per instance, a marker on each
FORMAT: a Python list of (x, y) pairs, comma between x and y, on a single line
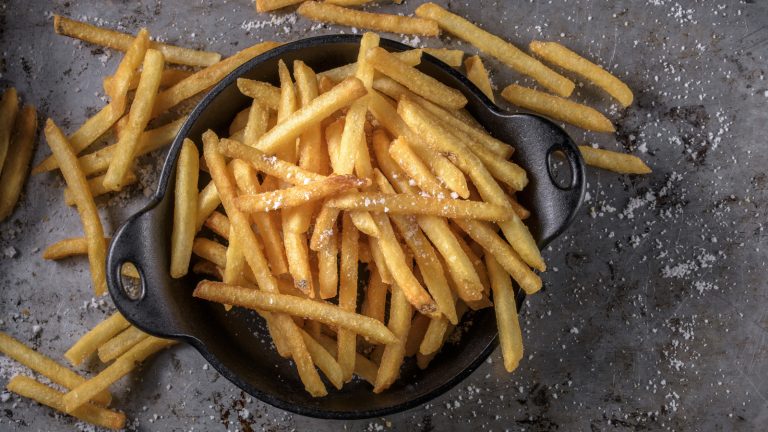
[(75, 179), (419, 205), (265, 93), (121, 343), (324, 360), (41, 393), (9, 109), (327, 265), (364, 368), (67, 248), (16, 168), (269, 165), (325, 224), (218, 223), (510, 337), (378, 259), (117, 88), (297, 195), (364, 70), (451, 57), (97, 336), (477, 73), (613, 161), (297, 254), (410, 57), (184, 208), (258, 122), (434, 336), (375, 301), (169, 78), (419, 325), (207, 201), (497, 47), (399, 323), (561, 56), (348, 294), (96, 186), (558, 108), (326, 12)]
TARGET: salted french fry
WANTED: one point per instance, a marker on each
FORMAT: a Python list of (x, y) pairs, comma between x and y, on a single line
[(375, 301), (265, 93), (423, 85), (257, 123), (121, 41), (169, 78), (351, 136), (510, 337), (364, 368), (411, 204), (325, 224), (326, 12), (419, 325), (80, 395), (97, 336), (205, 78), (558, 108), (324, 360), (297, 195), (45, 366), (41, 393), (280, 303), (378, 259), (451, 57), (497, 47), (16, 168), (477, 73), (121, 343), (239, 122), (92, 227), (364, 70), (399, 323), (327, 265), (521, 211), (338, 74), (613, 161), (297, 255), (347, 294), (207, 201), (270, 5), (562, 57), (9, 109), (219, 224), (269, 165), (184, 208), (141, 108), (287, 106), (117, 87)]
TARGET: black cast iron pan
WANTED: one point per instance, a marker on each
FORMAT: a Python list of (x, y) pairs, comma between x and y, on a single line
[(236, 342)]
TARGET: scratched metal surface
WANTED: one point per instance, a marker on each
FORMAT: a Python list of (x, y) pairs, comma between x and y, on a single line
[(653, 316)]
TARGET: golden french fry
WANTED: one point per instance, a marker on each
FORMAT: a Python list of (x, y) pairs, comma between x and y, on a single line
[(558, 108), (297, 254), (561, 56), (9, 109), (419, 325), (521, 211), (348, 2), (451, 57), (613, 161), (270, 5), (423, 360), (327, 265), (352, 134), (205, 78), (75, 179), (434, 336), (409, 57), (218, 223), (235, 268), (239, 122), (67, 248), (46, 366), (269, 165), (297, 195), (324, 360), (378, 259), (411, 204), (364, 368), (141, 108), (326, 12), (207, 201), (347, 294), (184, 208), (121, 41), (117, 87), (210, 251), (364, 71), (41, 393), (16, 168), (265, 93), (302, 307), (96, 186), (124, 364), (169, 78), (97, 336), (257, 122), (416, 81), (497, 47), (510, 337), (121, 343), (477, 73), (375, 301), (399, 323), (325, 225), (287, 104)]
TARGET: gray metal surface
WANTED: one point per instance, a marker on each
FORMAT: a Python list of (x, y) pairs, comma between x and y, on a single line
[(653, 316)]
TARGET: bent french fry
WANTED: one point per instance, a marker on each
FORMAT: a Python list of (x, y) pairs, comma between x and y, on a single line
[(16, 168), (510, 337), (297, 195), (96, 337), (326, 12), (613, 161), (184, 208), (419, 205)]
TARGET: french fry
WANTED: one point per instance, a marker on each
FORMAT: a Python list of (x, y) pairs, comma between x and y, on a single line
[(265, 93), (347, 294), (562, 57), (297, 254), (219, 224), (94, 338), (235, 268), (269, 165), (364, 368), (297, 195), (399, 323), (67, 248), (16, 168), (41, 393), (75, 179), (239, 122), (477, 73), (613, 161), (434, 336), (205, 78), (45, 366), (287, 104), (325, 84), (141, 108), (410, 57), (521, 211), (419, 325), (270, 5), (325, 224), (184, 208), (169, 78), (9, 109), (364, 71), (121, 343), (352, 134), (258, 122), (280, 303), (324, 360), (327, 264), (558, 108), (80, 395), (326, 12), (423, 85), (121, 42), (117, 87), (207, 201), (96, 186), (497, 47), (378, 259), (451, 57), (510, 337), (210, 251), (412, 204), (375, 301), (207, 268)]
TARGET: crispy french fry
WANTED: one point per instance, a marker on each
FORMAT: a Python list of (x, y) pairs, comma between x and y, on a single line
[(451, 57), (207, 201), (412, 204), (258, 122), (434, 336), (280, 303), (375, 301), (265, 93), (416, 81), (399, 323), (477, 73), (41, 393), (347, 294), (9, 109), (409, 57), (327, 264), (270, 5), (423, 360), (80, 395), (210, 251), (325, 225), (67, 248), (45, 366), (141, 108), (97, 336), (269, 165), (378, 259), (352, 134), (96, 186), (324, 360), (297, 195), (121, 343), (239, 122), (75, 179), (117, 87), (234, 271), (364, 368), (497, 47), (219, 224), (184, 208), (169, 78), (297, 254), (558, 108), (286, 107), (364, 70), (613, 161), (419, 325), (16, 168), (348, 2), (510, 337), (561, 56), (326, 12)]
